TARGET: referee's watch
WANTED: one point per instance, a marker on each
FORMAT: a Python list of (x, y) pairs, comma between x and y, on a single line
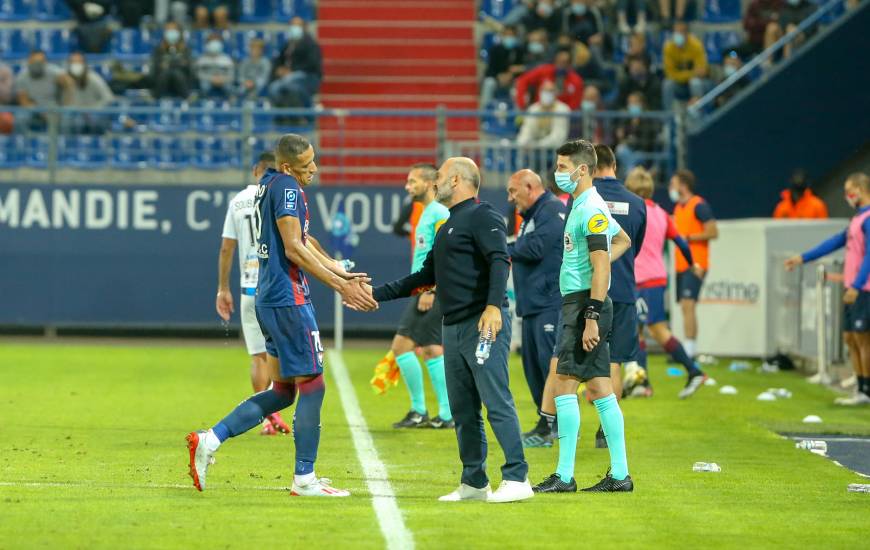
[(592, 310)]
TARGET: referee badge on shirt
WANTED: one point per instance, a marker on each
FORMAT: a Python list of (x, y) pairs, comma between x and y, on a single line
[(290, 199), (597, 223), (569, 242)]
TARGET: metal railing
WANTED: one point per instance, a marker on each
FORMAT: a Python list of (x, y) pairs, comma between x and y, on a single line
[(174, 142)]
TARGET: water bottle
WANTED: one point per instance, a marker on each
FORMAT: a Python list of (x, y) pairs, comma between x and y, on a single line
[(706, 467), (811, 445), (484, 345), (858, 488), (738, 366), (347, 265)]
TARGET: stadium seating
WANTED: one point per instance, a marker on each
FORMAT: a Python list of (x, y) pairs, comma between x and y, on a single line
[(15, 10), (717, 42), (56, 43), (262, 11), (51, 10), (722, 11), (133, 44), (14, 43), (496, 8)]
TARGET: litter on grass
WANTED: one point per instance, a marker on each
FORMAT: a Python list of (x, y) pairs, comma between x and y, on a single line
[(728, 390), (812, 419)]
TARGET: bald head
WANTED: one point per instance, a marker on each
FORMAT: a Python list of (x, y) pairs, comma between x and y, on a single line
[(524, 188), (458, 180)]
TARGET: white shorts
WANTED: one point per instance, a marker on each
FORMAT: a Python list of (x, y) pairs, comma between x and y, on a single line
[(254, 339)]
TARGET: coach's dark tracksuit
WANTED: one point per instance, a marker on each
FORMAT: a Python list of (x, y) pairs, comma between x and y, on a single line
[(536, 256), (470, 264), (629, 211)]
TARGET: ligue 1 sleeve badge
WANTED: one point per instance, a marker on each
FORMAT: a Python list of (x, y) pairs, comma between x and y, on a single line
[(597, 223), (290, 199)]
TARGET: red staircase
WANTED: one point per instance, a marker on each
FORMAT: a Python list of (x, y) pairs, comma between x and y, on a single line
[(393, 54)]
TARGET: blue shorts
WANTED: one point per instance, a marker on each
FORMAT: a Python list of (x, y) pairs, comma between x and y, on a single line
[(292, 336), (688, 285), (624, 344), (651, 305), (856, 317)]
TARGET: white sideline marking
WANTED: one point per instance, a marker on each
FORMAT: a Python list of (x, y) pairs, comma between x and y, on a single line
[(393, 527), (99, 485)]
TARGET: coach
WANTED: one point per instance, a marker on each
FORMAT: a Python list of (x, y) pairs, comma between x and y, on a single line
[(469, 263), (536, 257)]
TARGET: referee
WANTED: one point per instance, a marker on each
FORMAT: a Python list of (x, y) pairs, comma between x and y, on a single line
[(469, 263)]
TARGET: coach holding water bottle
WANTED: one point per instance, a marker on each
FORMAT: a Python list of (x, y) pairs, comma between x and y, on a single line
[(469, 263)]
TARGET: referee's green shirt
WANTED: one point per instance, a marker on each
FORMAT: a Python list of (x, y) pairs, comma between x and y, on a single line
[(589, 216)]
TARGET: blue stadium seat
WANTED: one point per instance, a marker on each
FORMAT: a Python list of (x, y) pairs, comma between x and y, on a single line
[(56, 43), (14, 44), (15, 10), (217, 119), (51, 10), (85, 152), (170, 117), (287, 9), (722, 11), (717, 42), (486, 43), (169, 152), (36, 152), (12, 150), (497, 8), (130, 153), (230, 149), (257, 11), (498, 122), (132, 44)]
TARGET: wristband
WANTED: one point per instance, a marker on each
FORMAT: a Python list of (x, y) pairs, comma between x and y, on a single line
[(592, 310)]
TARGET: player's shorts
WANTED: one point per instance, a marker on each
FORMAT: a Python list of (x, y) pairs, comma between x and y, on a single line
[(689, 285), (292, 336), (856, 317), (558, 335), (423, 327), (254, 339), (624, 343), (573, 360), (651, 305)]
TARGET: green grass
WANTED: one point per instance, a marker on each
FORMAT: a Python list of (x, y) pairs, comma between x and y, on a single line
[(107, 425)]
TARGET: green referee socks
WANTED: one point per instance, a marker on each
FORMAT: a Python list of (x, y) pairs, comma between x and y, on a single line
[(568, 415), (412, 373), (435, 366), (614, 430)]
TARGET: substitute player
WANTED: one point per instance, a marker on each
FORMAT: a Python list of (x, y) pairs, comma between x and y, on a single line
[(286, 315), (652, 280), (592, 240), (694, 220), (239, 232), (420, 324), (856, 278)]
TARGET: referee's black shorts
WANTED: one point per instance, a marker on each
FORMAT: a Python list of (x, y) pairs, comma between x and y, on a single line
[(423, 327), (573, 360)]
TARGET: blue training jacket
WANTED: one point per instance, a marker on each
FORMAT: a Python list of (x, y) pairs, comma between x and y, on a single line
[(629, 211)]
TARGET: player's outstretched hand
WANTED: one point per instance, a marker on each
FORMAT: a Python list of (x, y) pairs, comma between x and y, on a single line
[(793, 262), (224, 304), (357, 295), (490, 321)]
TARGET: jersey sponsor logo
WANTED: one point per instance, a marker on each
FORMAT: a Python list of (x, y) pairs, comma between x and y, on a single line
[(569, 242), (597, 223), (618, 208), (290, 197)]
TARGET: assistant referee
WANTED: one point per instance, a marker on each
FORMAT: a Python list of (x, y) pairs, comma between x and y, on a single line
[(469, 263)]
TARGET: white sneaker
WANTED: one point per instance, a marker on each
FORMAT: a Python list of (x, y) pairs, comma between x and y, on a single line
[(467, 492), (819, 378), (200, 458), (319, 487), (850, 382), (512, 491), (860, 398)]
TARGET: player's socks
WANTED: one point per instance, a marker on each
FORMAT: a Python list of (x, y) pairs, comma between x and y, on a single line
[(863, 384), (253, 410), (641, 354), (678, 353), (412, 373), (689, 346), (568, 413), (550, 419), (435, 366), (306, 424), (614, 430)]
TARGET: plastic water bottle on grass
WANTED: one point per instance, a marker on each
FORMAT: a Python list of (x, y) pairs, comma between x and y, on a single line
[(811, 445), (484, 346), (706, 467), (858, 488)]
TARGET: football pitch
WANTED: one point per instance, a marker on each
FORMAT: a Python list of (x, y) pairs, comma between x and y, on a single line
[(92, 455)]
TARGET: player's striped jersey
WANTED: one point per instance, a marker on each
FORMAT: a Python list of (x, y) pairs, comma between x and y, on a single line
[(239, 226), (282, 283), (432, 218)]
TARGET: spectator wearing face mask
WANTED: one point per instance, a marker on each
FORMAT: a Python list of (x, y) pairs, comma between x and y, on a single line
[(298, 69), (636, 135), (561, 73), (731, 63), (255, 70), (640, 79), (582, 20), (799, 201), (548, 125), (599, 130), (172, 65), (215, 69), (505, 56), (40, 84), (88, 91), (538, 50), (544, 16), (685, 65)]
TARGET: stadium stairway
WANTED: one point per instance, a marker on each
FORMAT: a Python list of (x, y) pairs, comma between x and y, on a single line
[(385, 55)]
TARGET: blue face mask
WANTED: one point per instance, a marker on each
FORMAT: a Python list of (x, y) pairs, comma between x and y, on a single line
[(679, 39), (635, 109), (509, 42), (578, 9), (536, 48), (564, 181)]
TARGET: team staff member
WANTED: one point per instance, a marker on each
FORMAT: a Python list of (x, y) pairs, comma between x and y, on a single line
[(629, 211), (694, 220), (239, 233), (470, 265), (535, 257), (592, 240), (856, 278)]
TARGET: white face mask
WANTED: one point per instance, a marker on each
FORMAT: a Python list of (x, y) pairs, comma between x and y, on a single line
[(214, 47), (76, 69), (674, 195), (295, 32), (587, 105), (547, 98)]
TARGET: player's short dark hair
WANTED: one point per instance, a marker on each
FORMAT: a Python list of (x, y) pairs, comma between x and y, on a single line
[(605, 156), (581, 152), (266, 159), (687, 178), (428, 171), (289, 147)]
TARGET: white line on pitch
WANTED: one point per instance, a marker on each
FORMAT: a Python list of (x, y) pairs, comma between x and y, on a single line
[(393, 527), (100, 485)]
